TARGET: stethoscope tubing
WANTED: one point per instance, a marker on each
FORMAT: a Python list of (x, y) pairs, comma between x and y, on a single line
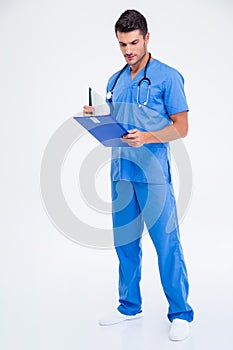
[(145, 78)]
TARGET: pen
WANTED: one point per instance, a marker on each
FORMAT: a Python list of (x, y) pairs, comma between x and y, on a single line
[(90, 97)]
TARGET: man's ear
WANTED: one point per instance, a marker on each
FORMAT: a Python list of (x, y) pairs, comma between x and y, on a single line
[(147, 37)]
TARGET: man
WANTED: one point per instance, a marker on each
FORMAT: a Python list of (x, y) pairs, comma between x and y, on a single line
[(147, 96)]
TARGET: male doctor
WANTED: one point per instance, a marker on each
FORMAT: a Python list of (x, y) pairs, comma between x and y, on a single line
[(147, 96)]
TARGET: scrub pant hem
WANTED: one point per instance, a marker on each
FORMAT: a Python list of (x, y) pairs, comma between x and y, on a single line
[(127, 313), (187, 316)]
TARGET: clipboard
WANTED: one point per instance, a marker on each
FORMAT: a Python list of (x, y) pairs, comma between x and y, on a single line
[(104, 128)]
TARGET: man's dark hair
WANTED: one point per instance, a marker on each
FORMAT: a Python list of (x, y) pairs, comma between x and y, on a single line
[(131, 20)]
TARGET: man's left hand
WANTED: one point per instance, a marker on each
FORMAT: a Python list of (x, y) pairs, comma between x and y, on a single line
[(135, 138)]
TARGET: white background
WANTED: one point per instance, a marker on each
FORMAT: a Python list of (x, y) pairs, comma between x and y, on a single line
[(52, 290)]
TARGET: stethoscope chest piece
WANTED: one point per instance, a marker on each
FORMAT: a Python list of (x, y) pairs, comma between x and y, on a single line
[(109, 95)]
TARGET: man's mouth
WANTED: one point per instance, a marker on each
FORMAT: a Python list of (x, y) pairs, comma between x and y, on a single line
[(129, 57)]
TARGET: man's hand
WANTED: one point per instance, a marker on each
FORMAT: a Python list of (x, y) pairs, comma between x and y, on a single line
[(88, 110), (135, 138)]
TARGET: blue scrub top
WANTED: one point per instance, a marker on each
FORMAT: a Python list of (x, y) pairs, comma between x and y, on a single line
[(149, 163)]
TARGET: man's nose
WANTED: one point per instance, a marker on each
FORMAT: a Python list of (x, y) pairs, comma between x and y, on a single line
[(127, 50)]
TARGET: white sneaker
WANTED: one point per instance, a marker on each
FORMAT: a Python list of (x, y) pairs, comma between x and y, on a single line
[(180, 330), (118, 317)]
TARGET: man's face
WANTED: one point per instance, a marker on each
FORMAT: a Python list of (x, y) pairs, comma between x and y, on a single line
[(133, 45)]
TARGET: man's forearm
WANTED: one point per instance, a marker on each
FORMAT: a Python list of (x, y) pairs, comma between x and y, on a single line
[(169, 133)]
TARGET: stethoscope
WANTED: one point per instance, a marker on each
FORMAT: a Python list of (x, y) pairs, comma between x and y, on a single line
[(144, 79)]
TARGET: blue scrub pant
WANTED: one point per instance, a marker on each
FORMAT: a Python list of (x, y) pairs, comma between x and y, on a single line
[(133, 204)]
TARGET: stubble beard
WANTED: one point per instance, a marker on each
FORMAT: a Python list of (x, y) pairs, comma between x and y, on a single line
[(141, 58)]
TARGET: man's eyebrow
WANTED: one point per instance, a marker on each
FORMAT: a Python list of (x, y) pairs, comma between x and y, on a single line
[(132, 42)]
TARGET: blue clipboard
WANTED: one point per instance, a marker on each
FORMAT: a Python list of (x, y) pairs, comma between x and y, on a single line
[(104, 128)]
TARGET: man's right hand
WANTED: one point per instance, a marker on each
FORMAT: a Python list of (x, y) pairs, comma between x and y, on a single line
[(88, 109)]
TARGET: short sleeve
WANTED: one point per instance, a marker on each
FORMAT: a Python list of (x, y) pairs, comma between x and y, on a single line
[(174, 95)]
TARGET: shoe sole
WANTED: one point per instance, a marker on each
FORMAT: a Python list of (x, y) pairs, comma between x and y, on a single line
[(129, 318)]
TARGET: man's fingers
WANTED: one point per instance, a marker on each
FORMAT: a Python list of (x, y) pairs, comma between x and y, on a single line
[(131, 134), (133, 131), (128, 137), (88, 109)]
